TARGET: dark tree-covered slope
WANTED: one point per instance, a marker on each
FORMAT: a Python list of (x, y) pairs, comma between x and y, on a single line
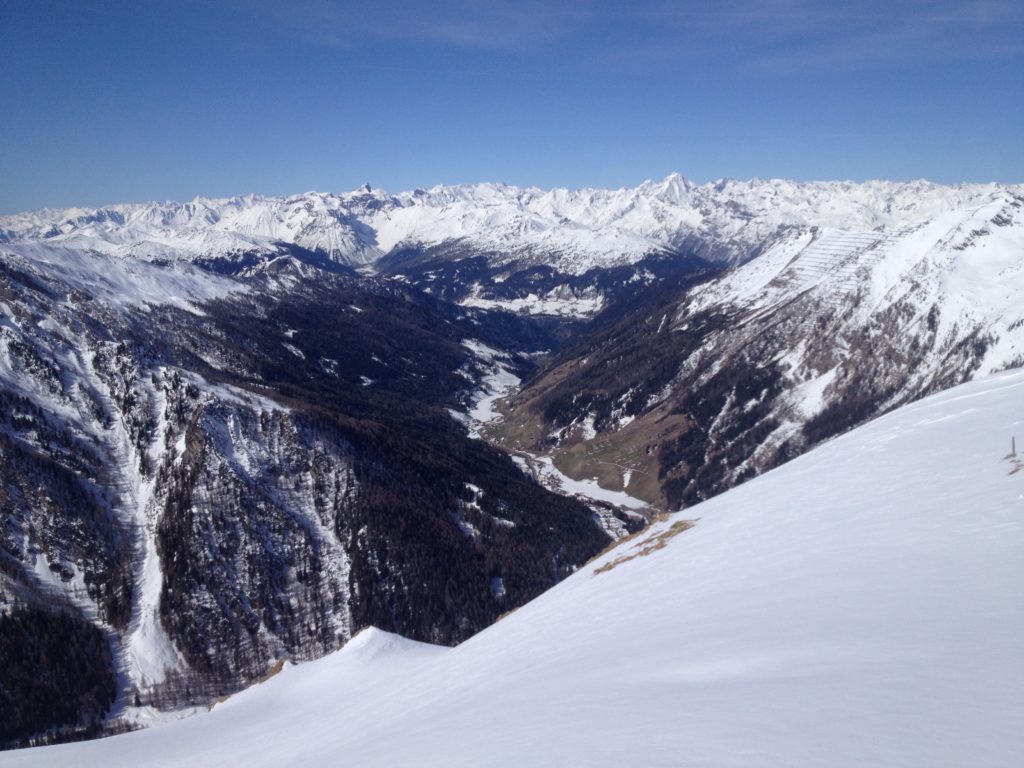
[(216, 486)]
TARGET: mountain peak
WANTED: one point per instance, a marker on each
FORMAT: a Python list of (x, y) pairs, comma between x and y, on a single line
[(573, 230)]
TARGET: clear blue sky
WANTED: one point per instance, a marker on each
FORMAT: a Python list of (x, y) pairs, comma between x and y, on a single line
[(121, 101)]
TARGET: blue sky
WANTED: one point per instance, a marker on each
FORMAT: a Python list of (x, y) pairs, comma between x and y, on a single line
[(122, 101)]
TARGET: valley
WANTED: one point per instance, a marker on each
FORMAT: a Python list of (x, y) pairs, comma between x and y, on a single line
[(858, 602), (241, 431)]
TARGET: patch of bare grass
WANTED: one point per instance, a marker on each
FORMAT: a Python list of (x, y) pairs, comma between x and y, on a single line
[(647, 545), (278, 666)]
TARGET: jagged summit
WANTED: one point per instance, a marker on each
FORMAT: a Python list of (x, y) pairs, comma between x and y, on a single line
[(574, 230)]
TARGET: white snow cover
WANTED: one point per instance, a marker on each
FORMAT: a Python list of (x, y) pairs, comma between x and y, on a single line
[(497, 382), (119, 282), (543, 467), (532, 304), (962, 271), (573, 229), (859, 606)]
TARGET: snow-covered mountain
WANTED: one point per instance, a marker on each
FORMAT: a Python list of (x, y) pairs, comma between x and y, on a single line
[(573, 230), (204, 472), (222, 444), (691, 390), (494, 246), (858, 606), (574, 237)]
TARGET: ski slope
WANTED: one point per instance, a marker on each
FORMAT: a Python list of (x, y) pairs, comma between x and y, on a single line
[(860, 606)]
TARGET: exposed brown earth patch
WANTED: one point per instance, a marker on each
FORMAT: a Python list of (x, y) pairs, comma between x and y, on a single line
[(648, 545)]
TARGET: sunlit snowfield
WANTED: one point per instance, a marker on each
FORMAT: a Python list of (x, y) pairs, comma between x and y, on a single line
[(859, 606)]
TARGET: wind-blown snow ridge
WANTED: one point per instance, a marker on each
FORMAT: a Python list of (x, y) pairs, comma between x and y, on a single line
[(858, 606), (577, 229)]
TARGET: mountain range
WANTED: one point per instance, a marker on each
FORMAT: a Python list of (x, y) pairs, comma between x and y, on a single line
[(237, 431), (570, 232)]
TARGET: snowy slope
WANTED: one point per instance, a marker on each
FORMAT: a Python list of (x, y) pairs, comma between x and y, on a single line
[(858, 606), (574, 230), (115, 282), (958, 275)]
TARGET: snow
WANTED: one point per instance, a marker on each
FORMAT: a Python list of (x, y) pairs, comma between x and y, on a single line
[(541, 305), (232, 394), (572, 230), (151, 654), (465, 527), (497, 382), (75, 589), (857, 606), (810, 396), (549, 475), (587, 431), (120, 282)]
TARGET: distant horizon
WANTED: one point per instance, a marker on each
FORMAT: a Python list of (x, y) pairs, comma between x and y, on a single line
[(562, 187), (122, 100)]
